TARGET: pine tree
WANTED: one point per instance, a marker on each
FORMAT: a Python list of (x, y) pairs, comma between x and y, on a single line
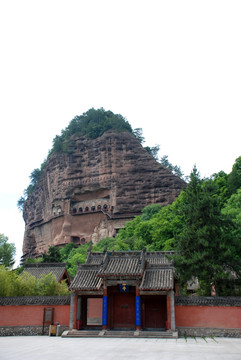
[(208, 246)]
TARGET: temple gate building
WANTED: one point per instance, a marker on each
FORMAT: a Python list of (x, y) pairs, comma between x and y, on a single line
[(124, 290)]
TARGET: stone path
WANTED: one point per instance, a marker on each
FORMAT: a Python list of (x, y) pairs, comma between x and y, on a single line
[(57, 348)]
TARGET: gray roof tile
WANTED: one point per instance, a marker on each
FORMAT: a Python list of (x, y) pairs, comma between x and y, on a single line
[(95, 258), (41, 269), (154, 268), (157, 279), (159, 258), (86, 279), (121, 266)]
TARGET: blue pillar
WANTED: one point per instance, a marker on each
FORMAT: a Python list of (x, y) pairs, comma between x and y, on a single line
[(138, 311), (104, 312)]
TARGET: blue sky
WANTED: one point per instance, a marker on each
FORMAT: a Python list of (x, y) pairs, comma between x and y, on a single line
[(170, 67)]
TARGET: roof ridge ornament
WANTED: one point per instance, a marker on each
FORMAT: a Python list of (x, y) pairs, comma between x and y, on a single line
[(142, 261), (89, 253), (104, 261), (90, 247)]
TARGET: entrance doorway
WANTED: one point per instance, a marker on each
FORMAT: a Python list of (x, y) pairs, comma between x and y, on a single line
[(122, 309), (154, 312)]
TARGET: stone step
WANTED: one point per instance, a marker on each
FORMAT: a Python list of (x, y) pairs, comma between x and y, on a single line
[(81, 333), (118, 333), (121, 334), (159, 334)]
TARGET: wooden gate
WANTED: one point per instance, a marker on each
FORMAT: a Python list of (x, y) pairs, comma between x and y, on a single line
[(124, 311), (154, 312)]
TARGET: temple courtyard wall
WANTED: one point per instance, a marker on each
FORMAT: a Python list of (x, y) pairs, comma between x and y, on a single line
[(194, 316), (25, 315), (208, 316)]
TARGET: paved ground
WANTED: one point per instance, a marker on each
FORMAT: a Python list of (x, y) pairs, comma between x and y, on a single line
[(56, 348)]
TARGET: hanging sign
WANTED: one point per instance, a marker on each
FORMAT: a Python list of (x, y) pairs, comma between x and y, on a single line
[(124, 288)]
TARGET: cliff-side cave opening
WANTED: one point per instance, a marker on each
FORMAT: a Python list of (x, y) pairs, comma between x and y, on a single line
[(75, 240)]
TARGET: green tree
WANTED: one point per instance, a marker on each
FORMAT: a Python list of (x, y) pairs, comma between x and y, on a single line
[(105, 244), (153, 151), (234, 178), (166, 225), (52, 256), (127, 238), (66, 250), (176, 170), (20, 203), (7, 251), (34, 179), (149, 211), (138, 133), (221, 181), (25, 284), (35, 176), (91, 124), (155, 229), (7, 281), (233, 208), (47, 285), (76, 256), (205, 247)]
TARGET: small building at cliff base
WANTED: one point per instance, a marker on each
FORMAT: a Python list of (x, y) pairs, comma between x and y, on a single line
[(124, 290)]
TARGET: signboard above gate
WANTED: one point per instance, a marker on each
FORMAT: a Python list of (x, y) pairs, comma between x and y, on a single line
[(124, 288)]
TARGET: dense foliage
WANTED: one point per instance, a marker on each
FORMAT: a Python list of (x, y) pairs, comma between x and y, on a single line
[(208, 246), (73, 254), (24, 284), (91, 124), (7, 251)]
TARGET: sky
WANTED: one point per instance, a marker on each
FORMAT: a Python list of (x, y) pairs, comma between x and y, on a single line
[(171, 68)]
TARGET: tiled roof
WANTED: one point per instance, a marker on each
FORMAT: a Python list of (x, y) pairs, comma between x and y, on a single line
[(95, 258), (208, 300), (86, 279), (122, 264), (35, 300), (153, 268), (159, 258), (157, 279), (40, 269)]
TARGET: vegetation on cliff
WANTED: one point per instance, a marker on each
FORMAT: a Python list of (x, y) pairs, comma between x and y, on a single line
[(203, 227), (91, 124)]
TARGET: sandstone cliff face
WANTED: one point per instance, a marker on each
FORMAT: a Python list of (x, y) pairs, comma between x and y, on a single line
[(92, 192)]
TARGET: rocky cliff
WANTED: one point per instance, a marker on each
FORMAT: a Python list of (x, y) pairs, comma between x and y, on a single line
[(90, 193)]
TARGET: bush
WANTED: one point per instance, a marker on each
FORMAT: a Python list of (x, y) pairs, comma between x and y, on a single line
[(14, 284)]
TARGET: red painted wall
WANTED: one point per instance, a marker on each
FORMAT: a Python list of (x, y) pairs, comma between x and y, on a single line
[(208, 316), (95, 308), (186, 316), (32, 315)]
